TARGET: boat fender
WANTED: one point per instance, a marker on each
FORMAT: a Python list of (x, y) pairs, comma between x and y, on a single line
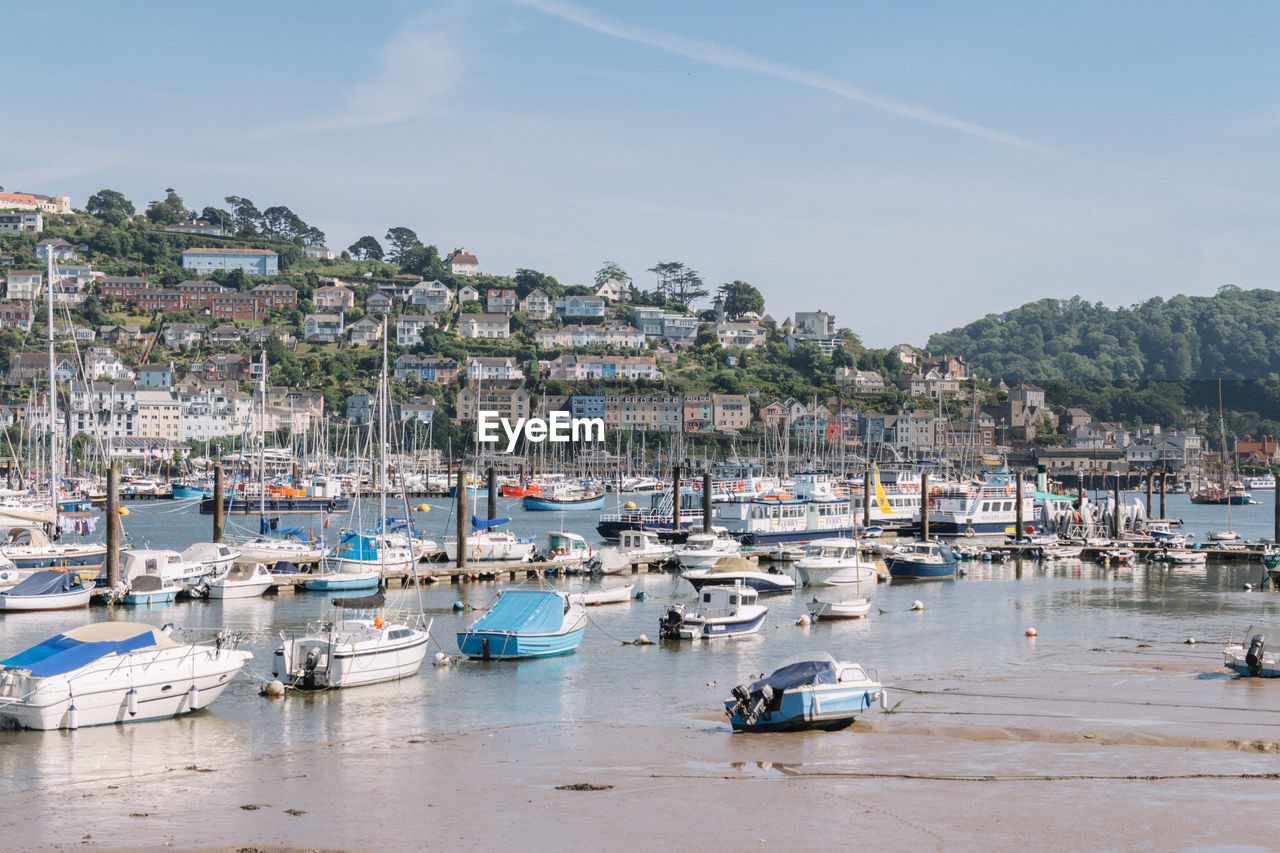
[(1253, 657), (377, 622), (194, 695), (133, 702), (73, 717), (884, 700), (475, 553)]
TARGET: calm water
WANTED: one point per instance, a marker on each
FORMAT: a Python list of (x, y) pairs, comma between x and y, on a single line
[(974, 624)]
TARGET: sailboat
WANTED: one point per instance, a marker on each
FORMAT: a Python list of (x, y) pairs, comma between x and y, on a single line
[(362, 558), (1223, 492)]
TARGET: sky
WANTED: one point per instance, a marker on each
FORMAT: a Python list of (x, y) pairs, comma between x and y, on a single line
[(909, 167)]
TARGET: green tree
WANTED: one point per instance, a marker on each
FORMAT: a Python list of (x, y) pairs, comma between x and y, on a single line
[(402, 240), (366, 247), (741, 298), (219, 217), (168, 212), (422, 260), (610, 271), (109, 205), (245, 215)]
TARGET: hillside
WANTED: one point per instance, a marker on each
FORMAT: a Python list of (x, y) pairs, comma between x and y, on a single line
[(1230, 335)]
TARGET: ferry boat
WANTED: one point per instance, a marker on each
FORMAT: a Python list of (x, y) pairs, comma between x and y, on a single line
[(813, 512), (322, 496), (966, 509), (655, 517), (1264, 482), (896, 505)]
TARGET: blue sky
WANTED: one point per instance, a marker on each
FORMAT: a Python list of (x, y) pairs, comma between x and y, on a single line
[(908, 166)]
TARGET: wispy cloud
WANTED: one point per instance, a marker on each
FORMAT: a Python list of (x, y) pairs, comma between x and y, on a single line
[(417, 66), (727, 56)]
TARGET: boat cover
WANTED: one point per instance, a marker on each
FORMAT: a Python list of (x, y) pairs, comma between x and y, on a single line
[(42, 583), (524, 611), (477, 524), (363, 602), (146, 583), (797, 675), (61, 654), (284, 567)]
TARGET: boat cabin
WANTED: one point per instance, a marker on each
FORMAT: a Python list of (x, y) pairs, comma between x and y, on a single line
[(722, 601)]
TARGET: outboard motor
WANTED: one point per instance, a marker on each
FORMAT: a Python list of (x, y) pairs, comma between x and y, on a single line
[(759, 701), (312, 660), (671, 623), (1253, 657), (743, 696)]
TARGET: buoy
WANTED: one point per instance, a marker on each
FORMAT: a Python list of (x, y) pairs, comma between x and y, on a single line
[(73, 717), (642, 640), (442, 659), (1248, 587), (1191, 641), (1031, 632), (194, 695), (423, 508), (124, 510), (274, 688), (629, 505), (884, 700), (641, 595), (133, 702), (917, 605), (803, 621), (458, 605)]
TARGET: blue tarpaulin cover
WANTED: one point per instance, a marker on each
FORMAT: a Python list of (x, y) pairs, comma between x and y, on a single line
[(524, 611), (477, 524), (797, 675), (43, 583), (61, 654)]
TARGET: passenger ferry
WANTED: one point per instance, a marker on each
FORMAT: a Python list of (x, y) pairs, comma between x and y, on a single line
[(729, 481), (814, 511), (900, 507), (966, 509)]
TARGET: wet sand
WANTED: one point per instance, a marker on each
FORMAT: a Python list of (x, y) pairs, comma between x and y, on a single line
[(1138, 749)]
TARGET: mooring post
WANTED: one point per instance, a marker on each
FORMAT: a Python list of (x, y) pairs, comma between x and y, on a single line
[(1164, 478), (866, 496), (217, 503), (924, 504), (706, 502), (462, 518), (493, 493), (1275, 534), (113, 526), (675, 498), (1117, 522), (1017, 534), (1151, 476)]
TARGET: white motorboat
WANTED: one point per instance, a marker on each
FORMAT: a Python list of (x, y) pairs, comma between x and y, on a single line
[(721, 611), (359, 552), (29, 548), (148, 590), (272, 551), (603, 595), (1062, 552), (813, 693), (215, 557), (840, 556), (113, 672), (704, 550), (848, 608), (50, 589), (160, 563), (487, 542), (244, 580), (1187, 556), (358, 647), (643, 543), (1250, 656)]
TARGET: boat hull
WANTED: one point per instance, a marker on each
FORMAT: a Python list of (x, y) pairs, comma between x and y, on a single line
[(349, 665), (501, 645), (146, 599), (342, 581), (181, 492), (93, 558), (611, 595), (821, 708), (697, 627), (828, 610), (57, 601), (764, 583), (240, 589), (537, 504), (913, 570)]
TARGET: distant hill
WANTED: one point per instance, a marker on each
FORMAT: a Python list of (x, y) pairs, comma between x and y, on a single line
[(1234, 334)]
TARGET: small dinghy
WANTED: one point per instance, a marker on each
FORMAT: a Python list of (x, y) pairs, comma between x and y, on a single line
[(810, 693), (603, 595), (849, 608)]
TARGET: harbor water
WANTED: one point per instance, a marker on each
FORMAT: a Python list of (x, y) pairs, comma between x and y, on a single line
[(1110, 689)]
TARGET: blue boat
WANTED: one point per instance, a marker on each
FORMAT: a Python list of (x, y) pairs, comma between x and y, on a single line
[(812, 693), (573, 500), (921, 561), (183, 491), (525, 623), (150, 589)]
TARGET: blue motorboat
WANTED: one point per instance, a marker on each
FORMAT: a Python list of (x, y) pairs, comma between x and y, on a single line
[(150, 589), (525, 623), (810, 693), (186, 491), (921, 561), (562, 499)]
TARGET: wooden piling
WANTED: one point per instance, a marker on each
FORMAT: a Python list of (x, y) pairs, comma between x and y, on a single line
[(218, 508), (493, 493), (1275, 534), (866, 498), (1017, 534), (1151, 476), (113, 526), (462, 518), (1117, 520), (924, 504), (706, 502), (675, 498), (1164, 479)]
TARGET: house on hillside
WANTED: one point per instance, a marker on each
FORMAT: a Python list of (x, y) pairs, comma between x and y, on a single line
[(409, 328), (501, 301), (322, 328), (58, 247), (537, 305), (364, 331), (334, 297), (484, 326), (251, 261), (467, 293), (431, 296), (462, 262)]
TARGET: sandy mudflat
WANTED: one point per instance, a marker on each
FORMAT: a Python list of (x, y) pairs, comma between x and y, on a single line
[(1143, 751)]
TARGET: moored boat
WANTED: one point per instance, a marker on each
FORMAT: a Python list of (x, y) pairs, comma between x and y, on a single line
[(846, 608), (525, 623), (244, 580), (721, 611), (1250, 656), (603, 595), (564, 498), (921, 561), (113, 672), (814, 693), (47, 590), (149, 589), (736, 570)]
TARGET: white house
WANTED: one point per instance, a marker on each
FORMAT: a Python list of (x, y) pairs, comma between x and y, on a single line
[(431, 296), (323, 253), (322, 328), (580, 306), (462, 262), (615, 291), (24, 285), (484, 326), (495, 368), (409, 328), (364, 331), (537, 305), (467, 293)]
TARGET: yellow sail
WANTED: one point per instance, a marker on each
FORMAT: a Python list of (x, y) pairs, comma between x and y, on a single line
[(881, 500)]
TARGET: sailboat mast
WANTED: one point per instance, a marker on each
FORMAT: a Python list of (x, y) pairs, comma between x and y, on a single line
[(262, 442), (53, 400), (383, 388)]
